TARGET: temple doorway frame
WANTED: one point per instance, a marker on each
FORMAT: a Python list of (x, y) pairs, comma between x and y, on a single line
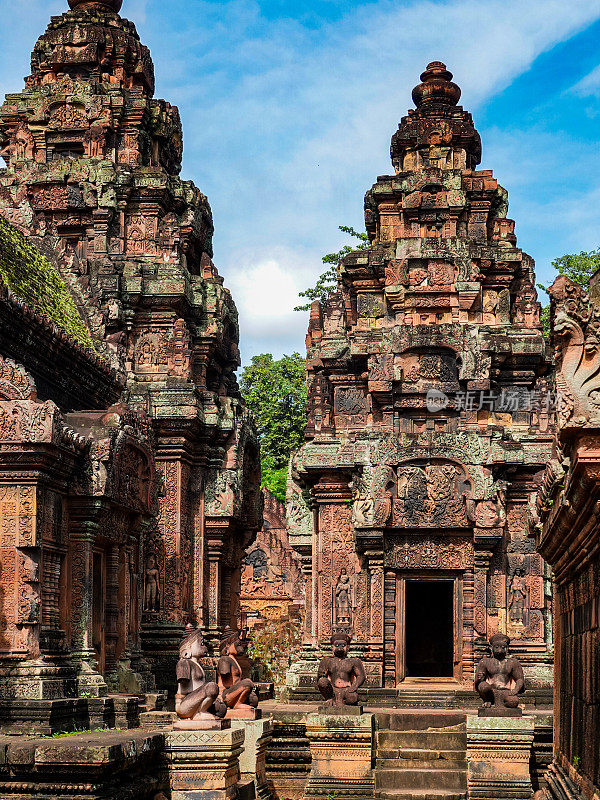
[(456, 579)]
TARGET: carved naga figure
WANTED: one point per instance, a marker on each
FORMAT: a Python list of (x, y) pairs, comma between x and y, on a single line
[(577, 352)]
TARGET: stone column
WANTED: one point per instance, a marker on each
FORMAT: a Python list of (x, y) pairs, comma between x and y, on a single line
[(310, 633), (82, 536), (376, 611), (52, 636), (482, 558), (113, 555)]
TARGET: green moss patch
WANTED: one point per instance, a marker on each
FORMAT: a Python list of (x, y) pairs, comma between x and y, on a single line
[(33, 278)]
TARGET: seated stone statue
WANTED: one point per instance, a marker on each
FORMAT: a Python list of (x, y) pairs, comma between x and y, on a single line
[(237, 692), (500, 680), (197, 702), (339, 677)]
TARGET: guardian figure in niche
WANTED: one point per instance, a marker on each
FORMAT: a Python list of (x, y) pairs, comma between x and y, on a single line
[(499, 680), (152, 593), (339, 678), (236, 691), (197, 701), (343, 599), (517, 597)]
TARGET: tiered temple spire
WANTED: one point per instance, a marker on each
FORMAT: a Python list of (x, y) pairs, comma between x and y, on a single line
[(391, 487)]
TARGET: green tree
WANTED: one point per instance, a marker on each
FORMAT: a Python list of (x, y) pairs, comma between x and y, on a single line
[(327, 282), (579, 267), (275, 391)]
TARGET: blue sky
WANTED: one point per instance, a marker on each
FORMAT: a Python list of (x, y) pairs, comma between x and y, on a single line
[(288, 110)]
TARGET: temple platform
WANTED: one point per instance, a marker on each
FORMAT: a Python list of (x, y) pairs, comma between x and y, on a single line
[(426, 694), (417, 751)]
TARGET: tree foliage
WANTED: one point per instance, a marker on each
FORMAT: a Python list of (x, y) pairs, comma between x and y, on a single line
[(579, 267), (275, 391), (327, 281), (276, 646)]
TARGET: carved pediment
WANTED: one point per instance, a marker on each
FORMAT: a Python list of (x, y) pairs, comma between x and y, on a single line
[(431, 495)]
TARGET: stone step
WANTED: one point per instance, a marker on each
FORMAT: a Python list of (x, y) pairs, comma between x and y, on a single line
[(419, 794), (422, 720), (436, 739), (452, 779), (409, 763), (427, 699), (407, 757)]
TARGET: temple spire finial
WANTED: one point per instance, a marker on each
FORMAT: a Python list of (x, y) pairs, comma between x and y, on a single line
[(110, 5), (436, 86)]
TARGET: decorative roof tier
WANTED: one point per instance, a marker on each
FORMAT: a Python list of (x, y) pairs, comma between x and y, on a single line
[(437, 122), (112, 5), (91, 44)]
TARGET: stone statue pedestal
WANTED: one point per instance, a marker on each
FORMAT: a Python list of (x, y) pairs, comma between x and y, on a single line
[(204, 765), (500, 711), (498, 755), (258, 734), (341, 746), (246, 713), (207, 724)]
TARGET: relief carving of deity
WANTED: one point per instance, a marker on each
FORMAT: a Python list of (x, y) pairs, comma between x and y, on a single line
[(152, 586), (334, 319), (518, 598), (343, 600)]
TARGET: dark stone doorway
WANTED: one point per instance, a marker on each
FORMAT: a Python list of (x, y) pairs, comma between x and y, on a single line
[(429, 629)]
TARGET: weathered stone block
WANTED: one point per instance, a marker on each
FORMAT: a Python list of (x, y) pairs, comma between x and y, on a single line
[(258, 736), (95, 765), (204, 765), (341, 747), (498, 757), (157, 720)]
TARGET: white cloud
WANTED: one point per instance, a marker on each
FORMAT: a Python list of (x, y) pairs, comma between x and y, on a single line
[(589, 85), (286, 125), (286, 149), (266, 287)]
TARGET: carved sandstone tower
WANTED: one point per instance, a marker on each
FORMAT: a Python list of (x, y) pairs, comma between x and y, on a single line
[(429, 422), (93, 163)]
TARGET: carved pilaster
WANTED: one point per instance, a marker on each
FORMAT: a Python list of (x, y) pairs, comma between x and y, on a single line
[(482, 560), (335, 551), (82, 536), (82, 543), (112, 608), (216, 539)]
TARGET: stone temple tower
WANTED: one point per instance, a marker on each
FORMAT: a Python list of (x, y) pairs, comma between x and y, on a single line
[(93, 177), (429, 422)]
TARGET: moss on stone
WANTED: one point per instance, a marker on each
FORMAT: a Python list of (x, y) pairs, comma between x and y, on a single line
[(34, 279)]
